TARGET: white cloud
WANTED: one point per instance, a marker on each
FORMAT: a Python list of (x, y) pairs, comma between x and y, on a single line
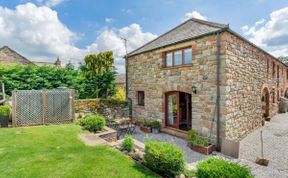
[(50, 3), (35, 31), (194, 14), (112, 39), (108, 20), (127, 11), (271, 35), (38, 34)]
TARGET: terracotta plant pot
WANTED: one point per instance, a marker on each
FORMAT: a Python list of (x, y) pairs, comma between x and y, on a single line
[(146, 129), (201, 149)]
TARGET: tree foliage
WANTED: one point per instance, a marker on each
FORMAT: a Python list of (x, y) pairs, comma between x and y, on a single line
[(95, 78), (284, 59)]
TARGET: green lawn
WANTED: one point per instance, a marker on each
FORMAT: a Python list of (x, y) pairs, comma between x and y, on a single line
[(55, 151)]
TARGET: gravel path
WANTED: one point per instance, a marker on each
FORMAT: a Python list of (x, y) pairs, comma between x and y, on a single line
[(275, 136), (190, 155)]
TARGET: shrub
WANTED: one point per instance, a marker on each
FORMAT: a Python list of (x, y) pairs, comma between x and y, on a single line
[(164, 158), (189, 173), (120, 94), (155, 124), (128, 143), (194, 138), (147, 123), (4, 110), (92, 123), (218, 168)]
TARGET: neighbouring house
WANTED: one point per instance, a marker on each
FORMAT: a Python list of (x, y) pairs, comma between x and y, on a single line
[(57, 63), (10, 57), (120, 81), (203, 75)]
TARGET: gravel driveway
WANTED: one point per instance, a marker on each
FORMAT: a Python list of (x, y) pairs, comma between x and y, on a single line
[(275, 138)]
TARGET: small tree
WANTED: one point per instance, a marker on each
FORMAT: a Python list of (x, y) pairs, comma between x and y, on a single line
[(98, 76)]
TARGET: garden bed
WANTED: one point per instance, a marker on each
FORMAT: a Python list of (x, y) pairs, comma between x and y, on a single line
[(202, 149)]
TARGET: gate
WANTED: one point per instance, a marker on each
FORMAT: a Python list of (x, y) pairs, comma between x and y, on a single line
[(37, 107)]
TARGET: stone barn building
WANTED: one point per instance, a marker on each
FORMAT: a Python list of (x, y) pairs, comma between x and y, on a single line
[(204, 76)]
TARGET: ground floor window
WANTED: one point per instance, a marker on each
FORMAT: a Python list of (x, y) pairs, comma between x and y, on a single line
[(141, 98)]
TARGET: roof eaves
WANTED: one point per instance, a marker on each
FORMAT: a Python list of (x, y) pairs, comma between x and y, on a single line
[(213, 24), (181, 41)]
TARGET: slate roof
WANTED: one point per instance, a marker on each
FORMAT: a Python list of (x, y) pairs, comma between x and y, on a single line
[(9, 56), (189, 29)]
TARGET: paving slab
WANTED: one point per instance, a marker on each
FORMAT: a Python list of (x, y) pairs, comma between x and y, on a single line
[(275, 146)]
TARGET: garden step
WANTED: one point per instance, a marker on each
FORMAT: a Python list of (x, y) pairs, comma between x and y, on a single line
[(91, 139)]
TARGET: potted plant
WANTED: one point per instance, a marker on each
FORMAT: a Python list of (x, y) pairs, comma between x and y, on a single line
[(4, 116), (146, 126), (155, 126), (198, 144)]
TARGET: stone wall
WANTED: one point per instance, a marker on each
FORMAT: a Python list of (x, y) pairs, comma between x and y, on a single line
[(146, 72), (107, 107), (246, 75)]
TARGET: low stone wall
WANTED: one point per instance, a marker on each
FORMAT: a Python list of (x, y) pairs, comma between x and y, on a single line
[(106, 107), (109, 135)]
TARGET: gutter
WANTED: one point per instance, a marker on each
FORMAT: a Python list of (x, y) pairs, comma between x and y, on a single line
[(218, 92), (128, 100)]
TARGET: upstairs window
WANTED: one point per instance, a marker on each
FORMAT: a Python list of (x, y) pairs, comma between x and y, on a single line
[(178, 57), (141, 98)]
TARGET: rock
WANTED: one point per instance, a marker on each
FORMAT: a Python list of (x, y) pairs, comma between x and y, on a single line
[(283, 105), (138, 156), (262, 161)]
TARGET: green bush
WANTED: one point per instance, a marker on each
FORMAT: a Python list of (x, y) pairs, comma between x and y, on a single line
[(92, 123), (194, 138), (128, 143), (5, 110), (189, 173), (219, 168), (155, 124), (147, 123), (164, 158)]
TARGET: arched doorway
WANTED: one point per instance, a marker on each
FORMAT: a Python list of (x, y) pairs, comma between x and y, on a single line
[(178, 107), (265, 102)]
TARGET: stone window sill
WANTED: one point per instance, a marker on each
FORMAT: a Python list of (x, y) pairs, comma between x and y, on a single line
[(177, 67), (140, 106)]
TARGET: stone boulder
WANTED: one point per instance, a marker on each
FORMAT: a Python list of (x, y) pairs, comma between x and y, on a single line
[(283, 105)]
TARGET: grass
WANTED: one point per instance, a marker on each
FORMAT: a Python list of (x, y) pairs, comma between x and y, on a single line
[(54, 151)]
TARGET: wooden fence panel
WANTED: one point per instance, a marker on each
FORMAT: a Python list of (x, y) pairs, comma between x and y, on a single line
[(36, 107)]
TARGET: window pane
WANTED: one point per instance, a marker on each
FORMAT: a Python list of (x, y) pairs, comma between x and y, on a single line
[(172, 109), (178, 57), (188, 56), (168, 59)]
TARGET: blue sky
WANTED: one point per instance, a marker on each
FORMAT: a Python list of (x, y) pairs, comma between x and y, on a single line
[(87, 19)]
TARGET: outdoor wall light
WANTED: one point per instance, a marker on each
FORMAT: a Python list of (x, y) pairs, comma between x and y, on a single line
[(194, 89)]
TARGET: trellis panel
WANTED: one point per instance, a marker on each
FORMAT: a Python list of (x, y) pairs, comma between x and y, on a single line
[(36, 107)]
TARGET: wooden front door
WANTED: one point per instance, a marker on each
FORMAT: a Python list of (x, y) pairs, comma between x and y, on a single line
[(178, 110)]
